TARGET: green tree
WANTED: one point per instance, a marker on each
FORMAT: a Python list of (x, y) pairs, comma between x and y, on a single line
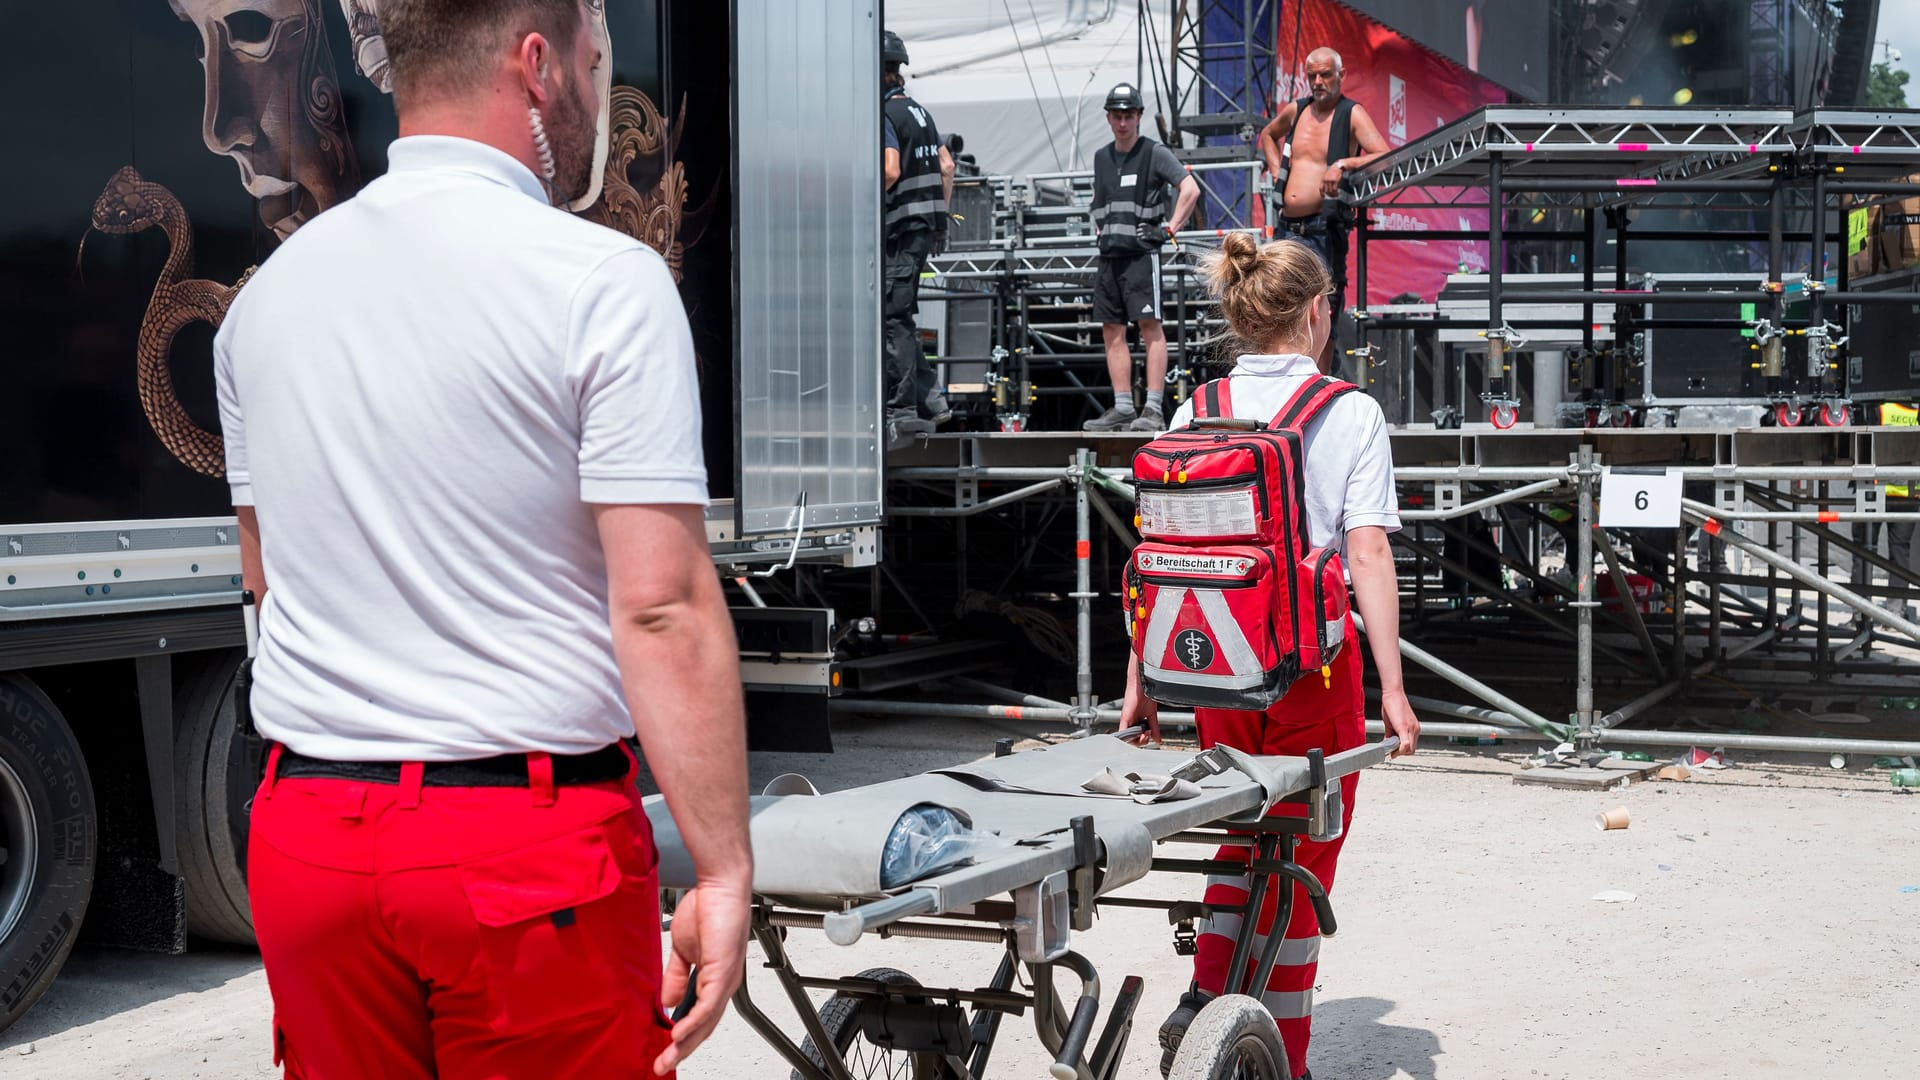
[(1886, 87)]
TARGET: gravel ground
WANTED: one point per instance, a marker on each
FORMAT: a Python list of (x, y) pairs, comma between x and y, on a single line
[(1771, 934)]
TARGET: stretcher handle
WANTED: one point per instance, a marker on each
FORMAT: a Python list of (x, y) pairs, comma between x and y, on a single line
[(1066, 1064), (1365, 756), (845, 927)]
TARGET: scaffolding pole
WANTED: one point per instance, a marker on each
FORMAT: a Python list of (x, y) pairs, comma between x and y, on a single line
[(1703, 514), (1083, 699)]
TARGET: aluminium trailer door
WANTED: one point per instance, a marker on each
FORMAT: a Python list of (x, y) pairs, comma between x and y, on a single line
[(806, 169)]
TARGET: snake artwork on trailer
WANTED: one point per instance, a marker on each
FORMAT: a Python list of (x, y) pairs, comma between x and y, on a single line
[(259, 56)]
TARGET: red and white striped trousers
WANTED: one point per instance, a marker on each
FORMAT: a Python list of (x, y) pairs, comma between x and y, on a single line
[(1330, 716)]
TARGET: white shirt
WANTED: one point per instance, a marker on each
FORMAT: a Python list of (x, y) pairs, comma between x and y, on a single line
[(1349, 458), (422, 392)]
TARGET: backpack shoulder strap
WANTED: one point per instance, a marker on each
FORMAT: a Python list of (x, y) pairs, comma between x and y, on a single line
[(1213, 401), (1314, 395)]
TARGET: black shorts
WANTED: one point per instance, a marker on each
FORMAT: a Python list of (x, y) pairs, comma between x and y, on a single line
[(1126, 288)]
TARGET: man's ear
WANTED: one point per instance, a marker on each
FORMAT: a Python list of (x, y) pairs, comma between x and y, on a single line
[(536, 57)]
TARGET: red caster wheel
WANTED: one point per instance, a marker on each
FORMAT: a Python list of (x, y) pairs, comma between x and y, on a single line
[(1835, 414), (1505, 416), (1786, 414)]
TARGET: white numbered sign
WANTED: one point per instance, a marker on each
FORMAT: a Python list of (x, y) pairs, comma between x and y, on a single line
[(1633, 498)]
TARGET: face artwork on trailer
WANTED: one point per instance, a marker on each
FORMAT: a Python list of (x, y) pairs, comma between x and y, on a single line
[(273, 102)]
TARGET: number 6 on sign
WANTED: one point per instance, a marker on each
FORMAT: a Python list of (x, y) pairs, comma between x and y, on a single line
[(1639, 498)]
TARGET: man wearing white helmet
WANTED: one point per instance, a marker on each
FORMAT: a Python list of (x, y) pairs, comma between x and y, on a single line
[(1130, 181)]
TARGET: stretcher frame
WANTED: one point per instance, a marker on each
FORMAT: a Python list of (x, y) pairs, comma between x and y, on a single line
[(1055, 887)]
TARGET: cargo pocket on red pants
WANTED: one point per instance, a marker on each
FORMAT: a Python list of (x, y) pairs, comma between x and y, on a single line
[(545, 913)]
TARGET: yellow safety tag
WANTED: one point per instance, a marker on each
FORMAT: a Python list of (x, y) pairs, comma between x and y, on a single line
[(1326, 676)]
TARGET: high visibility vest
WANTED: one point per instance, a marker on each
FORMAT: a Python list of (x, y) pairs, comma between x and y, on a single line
[(918, 199), (1895, 415), (1125, 194)]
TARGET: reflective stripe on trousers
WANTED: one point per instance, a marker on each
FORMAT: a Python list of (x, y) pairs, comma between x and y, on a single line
[(1311, 715)]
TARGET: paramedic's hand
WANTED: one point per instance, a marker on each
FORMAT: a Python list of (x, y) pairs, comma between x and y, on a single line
[(710, 930), (1398, 716), (1138, 708)]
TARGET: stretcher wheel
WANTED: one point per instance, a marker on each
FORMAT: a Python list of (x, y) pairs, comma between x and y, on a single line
[(840, 1016), (1834, 414), (1233, 1038), (1505, 416), (1786, 414)]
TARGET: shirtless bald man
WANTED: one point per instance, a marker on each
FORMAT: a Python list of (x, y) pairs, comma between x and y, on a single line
[(1313, 127)]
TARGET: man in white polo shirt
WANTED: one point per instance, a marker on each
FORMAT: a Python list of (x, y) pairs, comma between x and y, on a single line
[(463, 440)]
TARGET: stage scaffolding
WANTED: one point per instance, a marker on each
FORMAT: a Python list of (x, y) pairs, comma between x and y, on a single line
[(1601, 164), (1753, 587), (1558, 630)]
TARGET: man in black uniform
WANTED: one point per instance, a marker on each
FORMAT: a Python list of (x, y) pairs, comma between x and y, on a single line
[(919, 183), (1130, 181)]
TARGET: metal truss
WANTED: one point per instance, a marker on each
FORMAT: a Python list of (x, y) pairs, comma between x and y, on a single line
[(1852, 137), (1223, 73), (1631, 147)]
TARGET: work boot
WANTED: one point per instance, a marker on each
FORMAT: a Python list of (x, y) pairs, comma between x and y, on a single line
[(1177, 1024), (938, 411), (1111, 420), (1152, 420)]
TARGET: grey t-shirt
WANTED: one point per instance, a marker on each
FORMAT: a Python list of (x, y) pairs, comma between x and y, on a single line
[(1164, 171)]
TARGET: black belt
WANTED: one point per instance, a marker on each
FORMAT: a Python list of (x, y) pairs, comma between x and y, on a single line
[(610, 762), (1306, 226)]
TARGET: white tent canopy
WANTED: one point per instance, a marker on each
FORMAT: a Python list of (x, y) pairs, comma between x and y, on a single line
[(1025, 81)]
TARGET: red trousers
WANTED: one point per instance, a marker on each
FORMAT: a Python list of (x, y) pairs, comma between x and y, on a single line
[(1313, 714), (465, 933)]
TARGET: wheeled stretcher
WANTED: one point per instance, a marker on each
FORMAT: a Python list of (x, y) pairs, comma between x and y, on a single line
[(1049, 835)]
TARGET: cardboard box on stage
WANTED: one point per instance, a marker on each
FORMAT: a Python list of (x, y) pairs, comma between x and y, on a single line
[(1897, 240)]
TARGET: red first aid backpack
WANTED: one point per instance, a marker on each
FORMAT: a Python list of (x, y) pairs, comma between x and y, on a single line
[(1227, 602)]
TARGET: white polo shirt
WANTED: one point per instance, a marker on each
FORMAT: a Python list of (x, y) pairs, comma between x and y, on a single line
[(422, 392), (1349, 459)]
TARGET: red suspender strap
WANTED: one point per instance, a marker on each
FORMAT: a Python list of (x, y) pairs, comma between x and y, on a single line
[(1314, 394)]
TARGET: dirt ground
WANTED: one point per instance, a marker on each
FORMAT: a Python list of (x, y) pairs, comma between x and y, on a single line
[(1771, 934)]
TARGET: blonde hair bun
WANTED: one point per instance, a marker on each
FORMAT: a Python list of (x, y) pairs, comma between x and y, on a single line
[(1266, 290), (1240, 253)]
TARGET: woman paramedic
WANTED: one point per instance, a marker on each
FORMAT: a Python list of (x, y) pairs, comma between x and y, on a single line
[(1275, 299)]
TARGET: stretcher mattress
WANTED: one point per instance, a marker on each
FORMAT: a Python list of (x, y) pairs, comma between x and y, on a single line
[(829, 846)]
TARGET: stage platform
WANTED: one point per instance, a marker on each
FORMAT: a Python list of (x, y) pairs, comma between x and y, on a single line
[(1703, 453)]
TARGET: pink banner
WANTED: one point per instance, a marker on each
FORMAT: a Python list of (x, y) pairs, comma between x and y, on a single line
[(1409, 91)]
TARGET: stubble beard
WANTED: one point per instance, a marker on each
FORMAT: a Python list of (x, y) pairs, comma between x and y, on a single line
[(572, 132)]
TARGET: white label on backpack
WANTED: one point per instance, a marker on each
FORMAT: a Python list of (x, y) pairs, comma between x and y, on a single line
[(1195, 513), (1220, 566)]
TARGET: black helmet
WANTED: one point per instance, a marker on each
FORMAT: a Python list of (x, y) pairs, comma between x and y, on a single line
[(892, 49), (1126, 96)]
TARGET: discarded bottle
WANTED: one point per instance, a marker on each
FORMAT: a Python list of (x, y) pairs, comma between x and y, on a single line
[(1906, 778), (1637, 755)]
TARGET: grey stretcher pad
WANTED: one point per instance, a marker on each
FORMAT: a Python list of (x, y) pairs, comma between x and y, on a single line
[(829, 846)]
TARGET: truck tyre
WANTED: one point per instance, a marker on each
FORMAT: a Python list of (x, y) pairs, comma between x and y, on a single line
[(47, 832), (216, 769)]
